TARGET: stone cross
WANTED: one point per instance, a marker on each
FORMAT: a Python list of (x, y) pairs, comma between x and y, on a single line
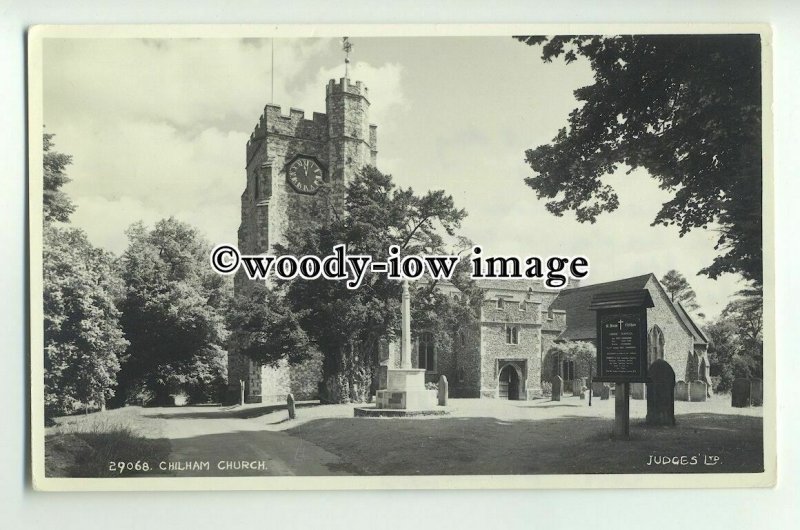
[(405, 341)]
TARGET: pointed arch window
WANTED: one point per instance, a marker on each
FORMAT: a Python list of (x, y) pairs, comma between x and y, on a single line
[(427, 352)]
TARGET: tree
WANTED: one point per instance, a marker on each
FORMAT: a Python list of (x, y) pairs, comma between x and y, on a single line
[(687, 108), (172, 313), (445, 317), (57, 205), (679, 290), (347, 324), (736, 346), (581, 352), (83, 339), (264, 328)]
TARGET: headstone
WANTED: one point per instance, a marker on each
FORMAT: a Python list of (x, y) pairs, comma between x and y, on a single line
[(756, 392), (583, 395), (637, 391), (442, 391), (698, 391), (740, 393), (597, 388), (577, 387), (661, 394), (605, 393), (681, 391), (558, 385), (290, 406)]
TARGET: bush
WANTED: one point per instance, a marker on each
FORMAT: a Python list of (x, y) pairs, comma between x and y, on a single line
[(86, 447), (140, 395), (547, 388)]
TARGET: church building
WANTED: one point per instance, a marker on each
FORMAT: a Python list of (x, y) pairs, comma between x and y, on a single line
[(507, 353), (287, 159)]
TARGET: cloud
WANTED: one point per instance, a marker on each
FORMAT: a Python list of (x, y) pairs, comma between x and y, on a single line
[(191, 84), (385, 90), (158, 128)]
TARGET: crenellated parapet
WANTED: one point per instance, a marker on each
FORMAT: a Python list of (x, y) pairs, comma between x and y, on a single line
[(344, 86), (293, 125)]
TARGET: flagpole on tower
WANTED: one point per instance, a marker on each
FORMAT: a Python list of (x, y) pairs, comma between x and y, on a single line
[(272, 71)]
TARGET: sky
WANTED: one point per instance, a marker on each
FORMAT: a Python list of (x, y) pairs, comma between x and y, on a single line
[(158, 128)]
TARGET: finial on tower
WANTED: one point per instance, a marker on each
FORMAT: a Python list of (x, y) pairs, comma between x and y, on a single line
[(347, 46)]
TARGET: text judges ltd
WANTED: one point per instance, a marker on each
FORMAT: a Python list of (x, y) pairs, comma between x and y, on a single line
[(341, 266)]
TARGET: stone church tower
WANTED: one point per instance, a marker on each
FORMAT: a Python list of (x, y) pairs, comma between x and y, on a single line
[(287, 159)]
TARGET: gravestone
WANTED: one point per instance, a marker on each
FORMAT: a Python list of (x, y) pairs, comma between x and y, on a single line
[(583, 395), (756, 392), (597, 388), (290, 406), (661, 394), (637, 391), (697, 391), (557, 388), (605, 393), (740, 393), (577, 387), (442, 391), (681, 391)]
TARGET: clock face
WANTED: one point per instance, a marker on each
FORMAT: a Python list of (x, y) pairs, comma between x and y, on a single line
[(305, 175)]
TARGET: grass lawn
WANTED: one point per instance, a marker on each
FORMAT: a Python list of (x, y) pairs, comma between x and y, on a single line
[(86, 446), (567, 439)]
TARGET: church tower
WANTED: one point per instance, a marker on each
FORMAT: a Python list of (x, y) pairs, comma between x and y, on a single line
[(288, 159)]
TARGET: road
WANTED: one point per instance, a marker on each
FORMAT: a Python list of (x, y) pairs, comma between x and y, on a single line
[(227, 441)]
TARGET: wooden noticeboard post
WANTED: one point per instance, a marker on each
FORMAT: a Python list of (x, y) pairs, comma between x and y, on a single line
[(622, 347)]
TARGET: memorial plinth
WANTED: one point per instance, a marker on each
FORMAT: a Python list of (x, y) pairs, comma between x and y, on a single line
[(405, 389), (405, 393)]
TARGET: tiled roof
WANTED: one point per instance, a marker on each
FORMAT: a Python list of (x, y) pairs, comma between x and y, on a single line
[(581, 321), (697, 333)]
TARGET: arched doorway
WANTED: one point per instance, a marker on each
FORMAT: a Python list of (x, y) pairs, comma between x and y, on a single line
[(509, 383)]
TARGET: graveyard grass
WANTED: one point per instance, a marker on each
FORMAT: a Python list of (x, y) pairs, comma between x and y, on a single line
[(566, 440), (85, 445), (478, 437)]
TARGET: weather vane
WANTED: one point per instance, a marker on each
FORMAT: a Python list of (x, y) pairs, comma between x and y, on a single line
[(347, 46)]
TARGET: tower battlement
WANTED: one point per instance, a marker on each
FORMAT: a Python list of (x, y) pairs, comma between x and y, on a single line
[(295, 125), (344, 86), (341, 141)]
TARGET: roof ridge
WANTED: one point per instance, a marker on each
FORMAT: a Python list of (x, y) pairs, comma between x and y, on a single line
[(573, 289)]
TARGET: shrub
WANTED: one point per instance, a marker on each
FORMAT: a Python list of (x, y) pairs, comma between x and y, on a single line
[(86, 447)]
